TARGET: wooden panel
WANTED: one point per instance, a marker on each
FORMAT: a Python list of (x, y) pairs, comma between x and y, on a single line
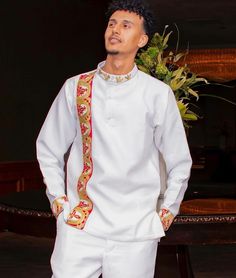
[(213, 64), (19, 176), (200, 234)]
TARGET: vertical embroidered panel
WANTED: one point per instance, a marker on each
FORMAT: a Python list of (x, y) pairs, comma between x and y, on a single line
[(79, 215)]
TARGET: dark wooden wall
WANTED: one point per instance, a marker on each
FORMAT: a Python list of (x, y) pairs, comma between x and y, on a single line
[(42, 44)]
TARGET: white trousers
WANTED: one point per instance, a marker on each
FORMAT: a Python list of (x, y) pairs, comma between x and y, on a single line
[(78, 254)]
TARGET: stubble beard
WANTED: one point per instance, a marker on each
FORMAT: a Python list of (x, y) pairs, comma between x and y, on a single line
[(112, 52)]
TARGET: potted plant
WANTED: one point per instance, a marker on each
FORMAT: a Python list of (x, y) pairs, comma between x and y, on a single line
[(164, 65)]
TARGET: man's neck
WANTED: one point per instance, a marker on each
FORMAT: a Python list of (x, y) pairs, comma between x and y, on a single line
[(118, 66)]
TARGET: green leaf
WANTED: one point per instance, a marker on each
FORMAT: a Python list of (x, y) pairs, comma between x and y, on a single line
[(190, 117), (177, 73), (178, 57), (147, 61), (182, 107), (159, 58), (152, 52), (144, 69), (199, 79), (194, 93), (166, 38), (175, 85)]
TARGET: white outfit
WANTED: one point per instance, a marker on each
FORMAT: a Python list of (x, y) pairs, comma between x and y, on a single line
[(131, 121), (78, 254)]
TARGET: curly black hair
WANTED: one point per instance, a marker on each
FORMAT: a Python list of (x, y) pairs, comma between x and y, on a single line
[(135, 6)]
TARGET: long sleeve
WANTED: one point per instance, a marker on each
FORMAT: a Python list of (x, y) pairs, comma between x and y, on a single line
[(171, 141), (54, 140)]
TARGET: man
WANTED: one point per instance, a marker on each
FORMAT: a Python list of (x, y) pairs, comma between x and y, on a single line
[(115, 120)]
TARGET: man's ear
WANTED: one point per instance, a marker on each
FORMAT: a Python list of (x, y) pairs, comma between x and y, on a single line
[(143, 40)]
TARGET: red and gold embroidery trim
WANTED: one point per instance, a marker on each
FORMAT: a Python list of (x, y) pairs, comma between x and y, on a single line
[(166, 218), (79, 215), (57, 205)]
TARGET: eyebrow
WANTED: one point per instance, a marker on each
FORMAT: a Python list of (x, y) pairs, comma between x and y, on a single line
[(124, 21)]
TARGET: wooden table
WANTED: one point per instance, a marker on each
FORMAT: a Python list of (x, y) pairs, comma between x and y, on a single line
[(190, 230)]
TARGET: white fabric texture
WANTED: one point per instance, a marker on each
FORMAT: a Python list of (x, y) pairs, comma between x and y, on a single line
[(78, 254), (131, 121)]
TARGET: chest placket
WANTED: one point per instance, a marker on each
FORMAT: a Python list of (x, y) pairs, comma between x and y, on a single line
[(109, 108), (79, 215)]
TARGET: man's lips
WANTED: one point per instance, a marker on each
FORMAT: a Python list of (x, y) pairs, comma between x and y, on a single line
[(114, 39)]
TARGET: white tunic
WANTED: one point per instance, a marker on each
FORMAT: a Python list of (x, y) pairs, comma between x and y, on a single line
[(131, 121)]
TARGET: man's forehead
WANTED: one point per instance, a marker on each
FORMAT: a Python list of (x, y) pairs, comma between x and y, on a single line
[(126, 16)]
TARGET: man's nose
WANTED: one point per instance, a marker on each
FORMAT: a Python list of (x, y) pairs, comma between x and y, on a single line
[(116, 29)]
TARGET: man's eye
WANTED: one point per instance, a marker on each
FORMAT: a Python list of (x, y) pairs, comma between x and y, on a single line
[(110, 24), (126, 25)]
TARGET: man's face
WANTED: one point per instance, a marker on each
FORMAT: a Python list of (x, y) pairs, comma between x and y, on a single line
[(125, 33)]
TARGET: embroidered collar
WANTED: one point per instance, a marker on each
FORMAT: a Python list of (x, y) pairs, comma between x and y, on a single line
[(115, 78)]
